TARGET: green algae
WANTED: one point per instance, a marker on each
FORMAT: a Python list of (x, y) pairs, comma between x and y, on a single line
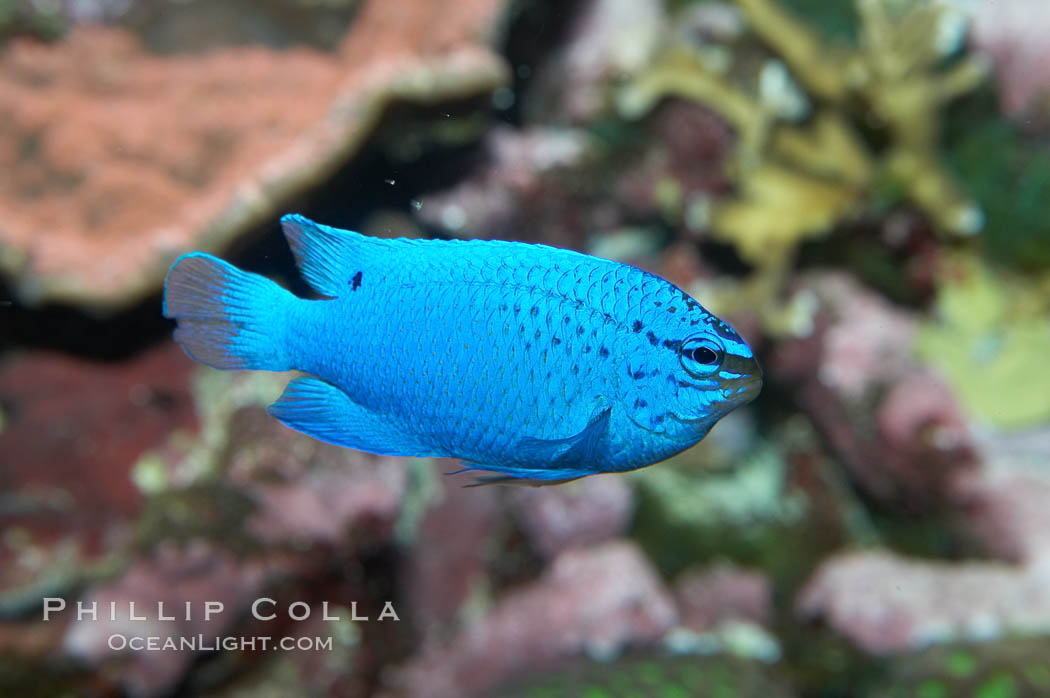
[(687, 513), (44, 20), (1009, 173), (1038, 675), (931, 688), (201, 25), (1000, 685), (35, 676), (61, 571), (752, 492), (654, 677), (201, 457), (835, 21), (595, 692), (215, 511), (187, 495), (961, 664), (1008, 668), (422, 492)]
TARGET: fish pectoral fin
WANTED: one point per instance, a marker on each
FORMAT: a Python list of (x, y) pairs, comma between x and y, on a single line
[(541, 462), (321, 410), (582, 449)]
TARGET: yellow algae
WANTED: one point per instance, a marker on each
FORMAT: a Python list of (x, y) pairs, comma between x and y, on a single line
[(797, 179), (990, 337)]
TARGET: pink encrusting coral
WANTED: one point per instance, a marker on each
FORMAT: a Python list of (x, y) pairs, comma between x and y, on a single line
[(896, 426), (602, 601), (1013, 34), (886, 603), (583, 514), (712, 596)]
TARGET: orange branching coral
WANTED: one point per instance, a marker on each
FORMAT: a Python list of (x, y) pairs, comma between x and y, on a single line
[(116, 160)]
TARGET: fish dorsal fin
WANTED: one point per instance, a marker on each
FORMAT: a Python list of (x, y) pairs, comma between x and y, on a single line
[(325, 255)]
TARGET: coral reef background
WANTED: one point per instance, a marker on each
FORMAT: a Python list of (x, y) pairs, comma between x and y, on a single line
[(862, 188)]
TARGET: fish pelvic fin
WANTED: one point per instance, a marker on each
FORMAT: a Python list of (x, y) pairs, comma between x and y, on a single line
[(511, 475), (486, 480), (227, 318)]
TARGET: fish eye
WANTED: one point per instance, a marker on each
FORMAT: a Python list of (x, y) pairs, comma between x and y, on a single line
[(701, 356)]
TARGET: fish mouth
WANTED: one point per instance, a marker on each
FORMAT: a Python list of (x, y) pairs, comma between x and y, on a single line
[(742, 390), (745, 385), (735, 392)]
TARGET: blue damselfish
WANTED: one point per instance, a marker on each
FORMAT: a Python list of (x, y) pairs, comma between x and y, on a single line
[(524, 360)]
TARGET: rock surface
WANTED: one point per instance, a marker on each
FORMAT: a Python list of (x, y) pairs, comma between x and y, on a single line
[(198, 575), (72, 432)]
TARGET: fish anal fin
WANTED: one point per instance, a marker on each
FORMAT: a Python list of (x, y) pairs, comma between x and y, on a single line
[(321, 410)]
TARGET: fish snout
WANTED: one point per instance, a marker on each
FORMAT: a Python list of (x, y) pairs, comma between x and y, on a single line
[(752, 387), (744, 380)]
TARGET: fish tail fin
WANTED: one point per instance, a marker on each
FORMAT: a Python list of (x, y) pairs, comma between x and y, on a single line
[(227, 318)]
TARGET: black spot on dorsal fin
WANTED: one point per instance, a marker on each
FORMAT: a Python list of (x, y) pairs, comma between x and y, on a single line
[(355, 281)]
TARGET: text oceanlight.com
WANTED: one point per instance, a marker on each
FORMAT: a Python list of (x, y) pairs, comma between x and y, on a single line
[(120, 642)]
